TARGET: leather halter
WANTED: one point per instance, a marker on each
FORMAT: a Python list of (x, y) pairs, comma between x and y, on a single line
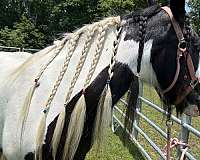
[(182, 51)]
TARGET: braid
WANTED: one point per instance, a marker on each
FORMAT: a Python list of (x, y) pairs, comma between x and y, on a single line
[(100, 43), (141, 36), (115, 47), (90, 34), (72, 45)]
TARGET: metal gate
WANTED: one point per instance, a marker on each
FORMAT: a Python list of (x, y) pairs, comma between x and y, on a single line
[(17, 49), (184, 125)]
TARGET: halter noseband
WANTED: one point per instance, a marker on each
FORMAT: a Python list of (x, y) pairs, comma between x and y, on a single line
[(182, 51)]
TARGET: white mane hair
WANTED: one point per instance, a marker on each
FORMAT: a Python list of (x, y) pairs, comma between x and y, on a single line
[(54, 68)]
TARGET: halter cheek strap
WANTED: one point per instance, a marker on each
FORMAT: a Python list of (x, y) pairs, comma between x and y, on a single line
[(182, 51)]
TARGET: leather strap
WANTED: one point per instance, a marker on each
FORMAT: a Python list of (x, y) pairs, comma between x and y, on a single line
[(176, 26), (180, 37), (176, 75), (191, 68), (181, 51)]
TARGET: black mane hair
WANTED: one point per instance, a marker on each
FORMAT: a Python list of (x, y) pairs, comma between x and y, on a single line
[(147, 12)]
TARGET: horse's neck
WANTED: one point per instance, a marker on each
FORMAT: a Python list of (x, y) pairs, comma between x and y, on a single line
[(32, 67), (9, 61), (128, 54), (13, 58)]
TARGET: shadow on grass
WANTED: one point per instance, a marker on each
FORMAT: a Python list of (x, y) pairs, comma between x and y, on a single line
[(132, 148)]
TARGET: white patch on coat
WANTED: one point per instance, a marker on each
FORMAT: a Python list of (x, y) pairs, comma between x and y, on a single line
[(17, 93), (8, 62), (147, 73), (11, 60), (128, 54)]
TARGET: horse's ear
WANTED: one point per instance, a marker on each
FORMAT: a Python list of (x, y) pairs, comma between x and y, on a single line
[(178, 10), (151, 2)]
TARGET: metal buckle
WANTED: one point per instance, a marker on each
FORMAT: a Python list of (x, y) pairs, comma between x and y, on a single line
[(182, 46), (193, 83), (169, 123)]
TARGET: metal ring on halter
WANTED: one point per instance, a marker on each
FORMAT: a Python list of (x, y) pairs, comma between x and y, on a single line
[(193, 83), (182, 46)]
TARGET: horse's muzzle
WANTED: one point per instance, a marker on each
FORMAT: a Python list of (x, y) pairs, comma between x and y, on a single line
[(192, 110)]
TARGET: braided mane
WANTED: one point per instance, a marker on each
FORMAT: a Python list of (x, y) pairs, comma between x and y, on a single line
[(147, 12), (98, 31)]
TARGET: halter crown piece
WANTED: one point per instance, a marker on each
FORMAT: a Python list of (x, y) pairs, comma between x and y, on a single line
[(182, 51)]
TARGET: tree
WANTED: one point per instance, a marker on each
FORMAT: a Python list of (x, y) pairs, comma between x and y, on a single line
[(119, 7), (195, 14), (9, 12), (45, 20), (24, 34)]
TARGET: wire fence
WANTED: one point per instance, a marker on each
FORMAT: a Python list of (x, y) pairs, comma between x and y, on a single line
[(184, 123), (17, 49)]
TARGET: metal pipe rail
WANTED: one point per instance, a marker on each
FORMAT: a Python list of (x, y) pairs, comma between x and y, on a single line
[(17, 49), (184, 122)]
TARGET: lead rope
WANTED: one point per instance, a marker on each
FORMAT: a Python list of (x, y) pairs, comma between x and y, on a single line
[(169, 124), (174, 143)]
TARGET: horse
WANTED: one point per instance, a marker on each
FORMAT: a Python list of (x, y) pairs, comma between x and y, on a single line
[(15, 58), (58, 102)]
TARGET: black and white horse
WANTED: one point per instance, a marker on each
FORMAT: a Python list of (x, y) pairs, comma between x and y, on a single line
[(147, 47)]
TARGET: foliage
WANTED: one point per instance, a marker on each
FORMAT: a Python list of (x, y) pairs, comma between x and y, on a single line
[(119, 7), (195, 14), (9, 12), (24, 34), (36, 23)]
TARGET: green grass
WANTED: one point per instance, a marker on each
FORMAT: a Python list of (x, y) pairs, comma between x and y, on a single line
[(157, 117), (114, 149)]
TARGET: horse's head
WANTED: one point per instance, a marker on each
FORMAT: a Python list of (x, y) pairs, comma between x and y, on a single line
[(191, 104), (172, 52)]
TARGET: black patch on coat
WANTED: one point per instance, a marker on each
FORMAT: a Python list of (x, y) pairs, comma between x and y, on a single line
[(165, 44), (133, 19), (119, 85), (29, 156), (163, 59), (178, 10)]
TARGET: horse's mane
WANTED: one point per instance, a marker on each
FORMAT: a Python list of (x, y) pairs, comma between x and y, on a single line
[(58, 43), (48, 54)]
